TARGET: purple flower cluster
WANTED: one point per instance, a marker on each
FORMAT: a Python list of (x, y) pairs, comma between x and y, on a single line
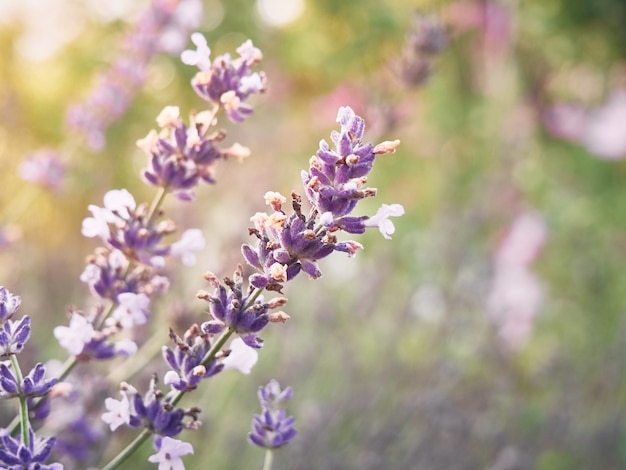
[(427, 38), (85, 342), (129, 228), (180, 156), (17, 455), (9, 304), (27, 451), (43, 168), (272, 428), (245, 313), (186, 359), (13, 336), (334, 184), (34, 384), (154, 411), (108, 274), (226, 81)]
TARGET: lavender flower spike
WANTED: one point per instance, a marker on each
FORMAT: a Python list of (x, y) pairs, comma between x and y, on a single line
[(34, 384), (9, 303), (334, 184), (272, 428), (15, 455), (226, 81), (13, 336)]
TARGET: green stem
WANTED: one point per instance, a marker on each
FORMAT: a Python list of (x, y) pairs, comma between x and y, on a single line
[(252, 298), (67, 368), (267, 463), (128, 451), (108, 313), (156, 203), (24, 423)]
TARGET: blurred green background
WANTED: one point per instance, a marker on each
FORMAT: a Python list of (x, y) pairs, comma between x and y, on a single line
[(395, 357)]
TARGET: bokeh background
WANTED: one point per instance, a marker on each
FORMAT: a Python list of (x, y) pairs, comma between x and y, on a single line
[(490, 333)]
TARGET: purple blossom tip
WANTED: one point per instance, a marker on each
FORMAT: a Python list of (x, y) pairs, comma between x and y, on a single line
[(272, 428), (9, 303)]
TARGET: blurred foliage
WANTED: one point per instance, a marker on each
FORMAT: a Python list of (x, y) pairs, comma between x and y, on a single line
[(378, 383)]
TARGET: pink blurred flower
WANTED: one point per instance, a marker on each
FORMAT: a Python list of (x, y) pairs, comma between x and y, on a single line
[(522, 242), (605, 130), (513, 303), (566, 121), (325, 108), (491, 19), (43, 168), (602, 131), (9, 234), (516, 292)]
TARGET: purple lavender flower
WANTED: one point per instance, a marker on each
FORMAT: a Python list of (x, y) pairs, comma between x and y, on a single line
[(13, 336), (427, 38), (108, 274), (126, 227), (334, 184), (15, 455), (244, 314), (272, 428), (78, 441), (227, 82), (9, 303), (153, 411), (43, 168), (180, 156), (80, 339), (272, 397), (186, 359), (34, 384)]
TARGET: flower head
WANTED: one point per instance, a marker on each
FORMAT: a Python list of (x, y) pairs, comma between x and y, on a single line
[(169, 454), (13, 336), (9, 303), (334, 184), (127, 227), (231, 306), (181, 155), (34, 384), (226, 82), (155, 412), (186, 357), (43, 168), (16, 455), (272, 428)]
